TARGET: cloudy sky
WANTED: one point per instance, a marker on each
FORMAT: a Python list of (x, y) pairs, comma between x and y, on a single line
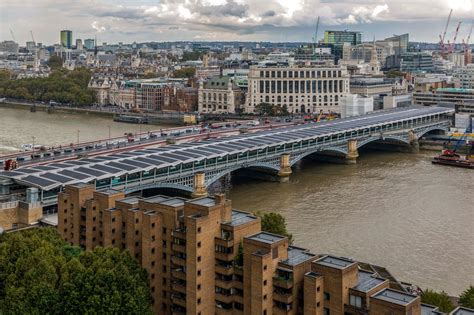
[(246, 20)]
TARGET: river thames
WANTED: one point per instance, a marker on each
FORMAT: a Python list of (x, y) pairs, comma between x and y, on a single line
[(396, 210)]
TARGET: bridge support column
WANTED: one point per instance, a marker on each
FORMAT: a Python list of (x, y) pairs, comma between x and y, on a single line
[(352, 152), (200, 189), (414, 144), (285, 168)]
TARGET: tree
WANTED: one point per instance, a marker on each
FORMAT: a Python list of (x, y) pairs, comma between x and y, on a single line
[(55, 62), (264, 109), (439, 299), (274, 223), (466, 299), (239, 257), (40, 273), (184, 73)]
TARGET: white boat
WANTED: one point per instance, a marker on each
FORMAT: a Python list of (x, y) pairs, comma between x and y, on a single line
[(29, 147)]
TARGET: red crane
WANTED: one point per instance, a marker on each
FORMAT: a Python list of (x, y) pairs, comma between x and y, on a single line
[(443, 37), (467, 47), (452, 46)]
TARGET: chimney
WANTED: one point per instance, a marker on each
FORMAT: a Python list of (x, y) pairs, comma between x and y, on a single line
[(219, 199)]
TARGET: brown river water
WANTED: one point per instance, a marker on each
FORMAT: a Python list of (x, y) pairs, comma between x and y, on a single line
[(392, 209)]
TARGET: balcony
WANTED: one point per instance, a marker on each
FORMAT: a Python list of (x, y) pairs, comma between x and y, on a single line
[(282, 282), (225, 269), (224, 256), (179, 299), (224, 311), (178, 287), (224, 298), (178, 273), (179, 261), (179, 233), (178, 248), (224, 284), (224, 242), (286, 298)]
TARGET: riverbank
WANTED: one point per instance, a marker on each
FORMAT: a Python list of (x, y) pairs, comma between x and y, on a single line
[(157, 119)]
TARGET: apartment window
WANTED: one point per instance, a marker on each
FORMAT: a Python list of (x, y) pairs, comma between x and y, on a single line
[(264, 282), (264, 312), (199, 258), (137, 243), (199, 244), (94, 228), (164, 293), (153, 250), (318, 304), (265, 267), (199, 272), (65, 220), (113, 242), (94, 208), (153, 225), (136, 232), (113, 219), (265, 297), (199, 301), (136, 220), (199, 287), (318, 289), (327, 296), (164, 268), (355, 301), (164, 243), (199, 229), (163, 255), (326, 311)]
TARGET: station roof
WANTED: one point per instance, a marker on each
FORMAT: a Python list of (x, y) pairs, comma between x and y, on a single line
[(85, 170)]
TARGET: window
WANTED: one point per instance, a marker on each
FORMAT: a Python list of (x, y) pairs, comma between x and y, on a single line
[(199, 229), (163, 255), (199, 287), (355, 301), (199, 272), (265, 297), (199, 244), (265, 267), (199, 301), (318, 289), (199, 258), (327, 296), (113, 219), (264, 282), (318, 304), (153, 225), (326, 311)]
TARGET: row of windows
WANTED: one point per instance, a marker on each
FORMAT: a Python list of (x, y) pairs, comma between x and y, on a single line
[(302, 86), (290, 98), (301, 74), (214, 97)]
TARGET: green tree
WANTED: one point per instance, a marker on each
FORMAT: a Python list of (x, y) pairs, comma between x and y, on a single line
[(239, 257), (41, 274), (264, 109), (466, 299), (184, 73), (55, 62), (439, 299), (274, 223)]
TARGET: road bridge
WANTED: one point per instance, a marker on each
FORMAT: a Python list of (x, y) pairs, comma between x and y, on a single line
[(193, 167)]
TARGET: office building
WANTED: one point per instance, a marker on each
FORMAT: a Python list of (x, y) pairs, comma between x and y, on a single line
[(89, 43), (79, 45), (336, 40), (301, 89), (9, 46), (464, 77), (444, 95), (220, 95), (66, 39), (204, 257)]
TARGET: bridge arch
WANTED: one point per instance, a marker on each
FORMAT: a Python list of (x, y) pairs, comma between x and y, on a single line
[(386, 139), (336, 150), (213, 177), (425, 131)]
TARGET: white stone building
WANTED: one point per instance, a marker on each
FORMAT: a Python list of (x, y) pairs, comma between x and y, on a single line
[(298, 88), (354, 105), (464, 77), (219, 95)]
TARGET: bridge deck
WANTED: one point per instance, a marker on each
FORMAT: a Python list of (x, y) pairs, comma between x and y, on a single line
[(58, 174)]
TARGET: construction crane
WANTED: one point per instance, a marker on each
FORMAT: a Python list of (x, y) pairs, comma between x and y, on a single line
[(13, 36), (315, 38), (32, 37), (452, 46), (443, 37), (467, 47)]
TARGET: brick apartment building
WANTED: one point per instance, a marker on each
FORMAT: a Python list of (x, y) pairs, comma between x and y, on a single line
[(203, 257)]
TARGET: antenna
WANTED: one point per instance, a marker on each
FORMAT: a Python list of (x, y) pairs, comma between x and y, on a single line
[(315, 38)]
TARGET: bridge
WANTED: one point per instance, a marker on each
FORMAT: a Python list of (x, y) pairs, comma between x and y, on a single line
[(192, 167)]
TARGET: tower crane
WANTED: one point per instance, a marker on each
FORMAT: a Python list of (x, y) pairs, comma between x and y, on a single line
[(13, 36), (315, 38), (443, 37), (467, 47), (32, 37), (452, 46)]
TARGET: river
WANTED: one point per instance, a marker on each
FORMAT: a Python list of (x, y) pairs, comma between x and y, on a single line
[(391, 209)]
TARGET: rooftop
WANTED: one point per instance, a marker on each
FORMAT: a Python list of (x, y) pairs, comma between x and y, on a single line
[(156, 199), (455, 90), (266, 237), (206, 201), (367, 281), (395, 297), (130, 200), (109, 191), (240, 217), (297, 256), (335, 262), (427, 309), (173, 202), (462, 311)]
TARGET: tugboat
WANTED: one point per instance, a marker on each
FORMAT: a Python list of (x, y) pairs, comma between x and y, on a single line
[(450, 157)]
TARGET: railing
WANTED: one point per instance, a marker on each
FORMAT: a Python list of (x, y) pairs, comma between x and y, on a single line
[(9, 204)]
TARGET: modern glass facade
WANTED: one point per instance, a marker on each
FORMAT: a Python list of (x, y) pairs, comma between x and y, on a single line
[(66, 39), (89, 43), (336, 40)]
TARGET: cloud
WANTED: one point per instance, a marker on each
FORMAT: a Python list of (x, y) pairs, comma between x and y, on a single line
[(222, 19)]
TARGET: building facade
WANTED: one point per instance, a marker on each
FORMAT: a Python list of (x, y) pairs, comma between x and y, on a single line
[(444, 95), (464, 77), (219, 95), (66, 39), (203, 257), (301, 89)]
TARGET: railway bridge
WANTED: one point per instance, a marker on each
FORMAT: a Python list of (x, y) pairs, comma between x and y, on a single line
[(193, 167)]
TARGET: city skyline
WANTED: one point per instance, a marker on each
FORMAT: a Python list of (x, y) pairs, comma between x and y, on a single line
[(229, 20)]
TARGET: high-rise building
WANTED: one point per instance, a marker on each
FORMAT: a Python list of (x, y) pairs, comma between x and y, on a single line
[(203, 257), (301, 89), (336, 40), (9, 46), (66, 39), (79, 45), (89, 43), (464, 77)]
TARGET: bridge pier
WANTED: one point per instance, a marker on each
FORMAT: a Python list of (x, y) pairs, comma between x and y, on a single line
[(199, 187), (285, 168), (352, 152)]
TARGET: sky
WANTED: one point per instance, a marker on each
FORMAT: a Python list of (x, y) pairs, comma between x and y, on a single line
[(127, 21)]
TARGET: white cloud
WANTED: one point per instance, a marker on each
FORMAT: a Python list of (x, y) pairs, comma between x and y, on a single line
[(95, 25)]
